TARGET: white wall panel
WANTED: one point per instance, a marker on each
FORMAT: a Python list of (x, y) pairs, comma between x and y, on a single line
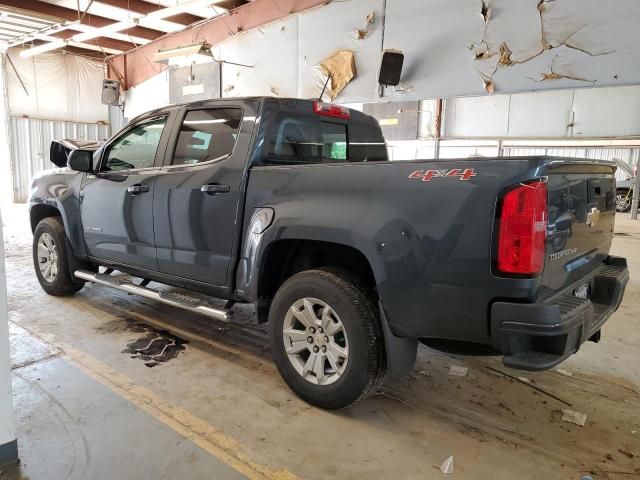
[(607, 112), (476, 116), (272, 50), (540, 114), (325, 30), (150, 94), (598, 112)]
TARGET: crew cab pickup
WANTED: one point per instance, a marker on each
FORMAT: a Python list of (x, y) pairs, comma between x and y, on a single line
[(292, 205)]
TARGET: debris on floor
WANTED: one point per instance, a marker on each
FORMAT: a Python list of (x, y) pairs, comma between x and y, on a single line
[(571, 416), (566, 373), (156, 347), (447, 466), (457, 371), (530, 383), (626, 452)]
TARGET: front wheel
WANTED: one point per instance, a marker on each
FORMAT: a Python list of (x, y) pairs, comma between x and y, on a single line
[(326, 338), (51, 258)]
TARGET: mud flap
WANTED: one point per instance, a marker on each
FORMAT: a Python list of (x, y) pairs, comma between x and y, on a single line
[(401, 352)]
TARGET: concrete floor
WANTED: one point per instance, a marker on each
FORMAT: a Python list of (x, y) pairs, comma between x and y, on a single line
[(215, 407)]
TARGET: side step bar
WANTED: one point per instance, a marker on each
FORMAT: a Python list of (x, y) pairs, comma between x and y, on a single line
[(168, 298)]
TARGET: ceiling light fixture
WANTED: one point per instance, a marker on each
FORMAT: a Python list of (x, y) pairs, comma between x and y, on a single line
[(186, 55)]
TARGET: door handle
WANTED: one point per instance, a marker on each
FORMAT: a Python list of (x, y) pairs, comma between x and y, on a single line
[(215, 189), (137, 188)]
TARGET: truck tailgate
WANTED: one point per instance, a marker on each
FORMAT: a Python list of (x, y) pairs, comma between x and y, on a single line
[(580, 222)]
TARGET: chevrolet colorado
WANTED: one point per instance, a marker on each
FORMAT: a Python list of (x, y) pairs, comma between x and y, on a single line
[(293, 205)]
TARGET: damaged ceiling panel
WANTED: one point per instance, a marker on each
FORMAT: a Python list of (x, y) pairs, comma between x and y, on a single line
[(354, 26), (452, 49), (272, 52), (485, 46), (435, 37)]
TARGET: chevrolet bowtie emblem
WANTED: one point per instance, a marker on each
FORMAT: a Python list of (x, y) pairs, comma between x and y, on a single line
[(592, 217)]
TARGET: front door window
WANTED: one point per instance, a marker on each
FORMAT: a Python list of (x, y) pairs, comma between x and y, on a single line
[(136, 148)]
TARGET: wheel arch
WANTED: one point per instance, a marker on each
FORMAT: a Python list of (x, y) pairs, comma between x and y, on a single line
[(40, 211), (284, 258), (72, 229)]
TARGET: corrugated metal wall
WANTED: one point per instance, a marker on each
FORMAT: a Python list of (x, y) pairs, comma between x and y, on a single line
[(30, 142)]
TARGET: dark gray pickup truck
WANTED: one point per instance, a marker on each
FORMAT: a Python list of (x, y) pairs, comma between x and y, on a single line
[(293, 205)]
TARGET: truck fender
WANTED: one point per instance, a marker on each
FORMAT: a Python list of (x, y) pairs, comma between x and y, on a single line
[(60, 192)]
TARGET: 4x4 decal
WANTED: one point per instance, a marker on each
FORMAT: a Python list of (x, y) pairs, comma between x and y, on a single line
[(428, 175)]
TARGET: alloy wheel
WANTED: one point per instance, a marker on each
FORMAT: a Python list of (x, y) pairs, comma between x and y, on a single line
[(315, 341), (48, 257)]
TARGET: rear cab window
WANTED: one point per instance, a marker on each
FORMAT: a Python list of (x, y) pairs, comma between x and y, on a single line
[(299, 138)]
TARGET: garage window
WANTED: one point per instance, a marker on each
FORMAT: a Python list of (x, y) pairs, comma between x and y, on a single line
[(207, 135)]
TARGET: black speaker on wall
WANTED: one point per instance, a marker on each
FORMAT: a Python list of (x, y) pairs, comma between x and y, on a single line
[(110, 92), (391, 68)]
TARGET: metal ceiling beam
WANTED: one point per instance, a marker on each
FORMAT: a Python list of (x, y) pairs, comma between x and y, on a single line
[(202, 12), (123, 36), (103, 41), (140, 6), (72, 15), (114, 13), (150, 19)]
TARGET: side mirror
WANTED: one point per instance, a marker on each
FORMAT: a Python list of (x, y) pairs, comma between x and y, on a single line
[(81, 160)]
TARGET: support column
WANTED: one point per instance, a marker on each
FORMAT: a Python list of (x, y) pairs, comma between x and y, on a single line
[(6, 170), (8, 442)]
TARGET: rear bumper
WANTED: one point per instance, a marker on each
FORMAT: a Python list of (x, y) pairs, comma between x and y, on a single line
[(539, 336)]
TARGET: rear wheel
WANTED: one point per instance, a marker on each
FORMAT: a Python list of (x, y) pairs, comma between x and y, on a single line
[(326, 338), (623, 200), (51, 258)]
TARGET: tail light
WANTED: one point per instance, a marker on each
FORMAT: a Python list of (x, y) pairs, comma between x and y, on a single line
[(522, 230), (330, 110)]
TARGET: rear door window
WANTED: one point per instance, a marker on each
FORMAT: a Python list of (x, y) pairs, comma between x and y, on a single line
[(207, 135)]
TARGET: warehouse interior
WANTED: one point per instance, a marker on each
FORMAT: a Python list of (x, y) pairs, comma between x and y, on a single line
[(479, 80)]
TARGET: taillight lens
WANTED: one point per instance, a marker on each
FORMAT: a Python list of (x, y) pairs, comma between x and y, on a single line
[(522, 230), (330, 110)]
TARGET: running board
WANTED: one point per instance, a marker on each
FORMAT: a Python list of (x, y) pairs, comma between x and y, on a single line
[(168, 298)]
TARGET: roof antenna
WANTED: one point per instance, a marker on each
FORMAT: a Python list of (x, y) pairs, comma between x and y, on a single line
[(325, 87)]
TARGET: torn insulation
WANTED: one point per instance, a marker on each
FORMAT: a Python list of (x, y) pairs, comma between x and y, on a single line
[(341, 69)]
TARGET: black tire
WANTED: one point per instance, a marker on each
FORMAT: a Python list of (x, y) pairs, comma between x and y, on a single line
[(61, 283), (623, 206), (353, 303)]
